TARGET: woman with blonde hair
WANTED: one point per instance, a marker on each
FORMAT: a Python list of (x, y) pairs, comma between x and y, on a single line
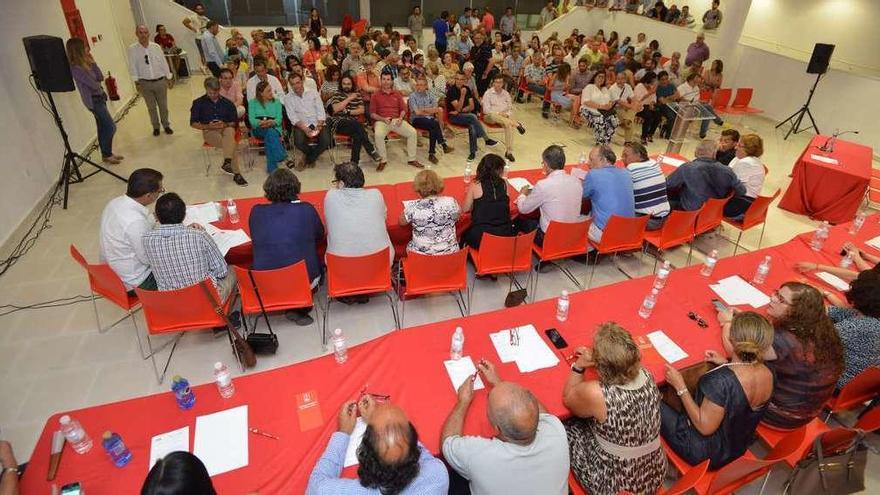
[(614, 434), (432, 217), (719, 421), (88, 77)]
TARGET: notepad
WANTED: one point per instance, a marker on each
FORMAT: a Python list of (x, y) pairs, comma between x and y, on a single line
[(824, 159), (221, 440), (166, 443), (227, 239), (833, 280), (736, 291), (202, 214), (354, 441), (501, 340), (666, 347), (518, 183), (531, 354), (462, 369)]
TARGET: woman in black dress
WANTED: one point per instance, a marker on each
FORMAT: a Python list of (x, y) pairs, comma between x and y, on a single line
[(487, 200)]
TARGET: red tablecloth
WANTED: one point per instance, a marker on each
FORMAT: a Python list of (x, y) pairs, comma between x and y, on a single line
[(407, 364), (825, 191)]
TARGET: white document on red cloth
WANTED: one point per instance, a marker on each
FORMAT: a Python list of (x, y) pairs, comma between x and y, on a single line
[(736, 291), (825, 159), (221, 440), (531, 354)]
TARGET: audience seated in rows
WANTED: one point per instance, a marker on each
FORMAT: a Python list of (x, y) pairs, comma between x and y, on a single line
[(557, 196), (432, 217), (703, 178), (487, 201)]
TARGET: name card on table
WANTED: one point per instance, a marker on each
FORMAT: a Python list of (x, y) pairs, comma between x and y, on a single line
[(825, 159), (531, 354), (673, 162), (736, 291), (833, 280), (309, 411)]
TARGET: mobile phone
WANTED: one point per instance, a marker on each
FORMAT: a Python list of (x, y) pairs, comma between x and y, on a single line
[(72, 489), (556, 338), (719, 305)]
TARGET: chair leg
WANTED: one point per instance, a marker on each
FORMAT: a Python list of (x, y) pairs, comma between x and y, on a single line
[(761, 239), (690, 252), (592, 272), (97, 317), (736, 244), (393, 310), (764, 483), (459, 300), (537, 271), (403, 310), (137, 334), (470, 292), (161, 378)]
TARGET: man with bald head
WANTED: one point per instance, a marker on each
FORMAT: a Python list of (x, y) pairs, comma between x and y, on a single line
[(529, 452), (391, 459)]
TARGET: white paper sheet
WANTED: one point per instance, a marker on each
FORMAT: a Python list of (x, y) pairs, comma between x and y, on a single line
[(533, 353), (354, 441), (674, 162), (461, 370), (579, 173), (666, 347), (825, 159), (518, 183), (228, 239), (166, 443), (203, 214), (833, 280), (501, 340), (874, 243), (221, 440), (736, 291)]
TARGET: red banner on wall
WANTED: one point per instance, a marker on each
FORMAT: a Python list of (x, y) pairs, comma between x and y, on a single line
[(74, 20)]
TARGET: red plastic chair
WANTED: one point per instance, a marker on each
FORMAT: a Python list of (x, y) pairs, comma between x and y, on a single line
[(741, 471), (620, 234), (771, 436), (104, 282), (284, 288), (754, 216), (862, 388), (431, 274), (359, 27), (574, 486), (678, 230), (741, 100), (687, 481), (561, 241), (356, 276), (872, 195), (498, 255), (180, 311), (721, 99)]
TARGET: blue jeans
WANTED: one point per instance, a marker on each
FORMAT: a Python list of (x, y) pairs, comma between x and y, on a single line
[(559, 98), (106, 127), (475, 128), (272, 142)]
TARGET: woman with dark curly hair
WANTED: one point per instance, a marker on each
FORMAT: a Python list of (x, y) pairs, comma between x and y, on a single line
[(806, 357), (858, 326)]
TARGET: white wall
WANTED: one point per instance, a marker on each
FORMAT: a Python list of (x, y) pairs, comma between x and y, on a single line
[(32, 145)]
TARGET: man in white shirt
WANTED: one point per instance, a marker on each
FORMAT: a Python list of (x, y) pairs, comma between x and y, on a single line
[(558, 196), (404, 83), (151, 75), (212, 49), (622, 93), (498, 109), (689, 91), (529, 452), (261, 73), (124, 222), (306, 113)]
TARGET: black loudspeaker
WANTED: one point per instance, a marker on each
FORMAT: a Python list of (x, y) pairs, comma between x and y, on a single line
[(820, 58), (49, 63)]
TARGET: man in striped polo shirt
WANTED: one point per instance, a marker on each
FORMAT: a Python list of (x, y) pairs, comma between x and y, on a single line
[(649, 184)]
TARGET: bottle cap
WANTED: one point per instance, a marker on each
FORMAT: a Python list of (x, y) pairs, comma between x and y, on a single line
[(108, 435), (176, 378), (565, 293), (64, 419), (338, 331), (218, 365)]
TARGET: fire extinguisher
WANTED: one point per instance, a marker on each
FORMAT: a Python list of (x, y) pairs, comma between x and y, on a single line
[(112, 90)]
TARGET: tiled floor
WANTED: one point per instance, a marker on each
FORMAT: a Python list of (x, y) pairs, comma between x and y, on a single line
[(54, 359)]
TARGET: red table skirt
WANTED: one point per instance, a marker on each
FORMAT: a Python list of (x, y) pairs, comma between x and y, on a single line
[(408, 365)]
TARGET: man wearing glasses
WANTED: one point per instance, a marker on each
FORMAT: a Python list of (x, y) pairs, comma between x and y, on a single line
[(150, 72)]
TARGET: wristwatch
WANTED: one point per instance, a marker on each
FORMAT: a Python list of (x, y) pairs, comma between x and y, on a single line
[(579, 371), (9, 470)]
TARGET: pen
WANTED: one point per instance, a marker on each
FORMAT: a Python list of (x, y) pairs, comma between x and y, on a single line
[(256, 431)]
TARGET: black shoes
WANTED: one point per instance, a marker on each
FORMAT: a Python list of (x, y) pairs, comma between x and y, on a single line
[(167, 131), (239, 179), (227, 167), (509, 157), (433, 158), (156, 132), (472, 157), (376, 156), (447, 148), (491, 142), (520, 128)]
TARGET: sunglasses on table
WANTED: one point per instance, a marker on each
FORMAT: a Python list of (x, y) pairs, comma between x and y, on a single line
[(697, 318)]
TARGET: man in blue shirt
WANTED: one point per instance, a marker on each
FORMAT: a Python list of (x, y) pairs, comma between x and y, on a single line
[(391, 458), (217, 118), (609, 188), (213, 50), (441, 27)]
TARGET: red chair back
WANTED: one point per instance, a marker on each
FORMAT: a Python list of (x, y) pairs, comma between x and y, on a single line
[(870, 420), (721, 98), (745, 469), (283, 288), (622, 234), (688, 480), (427, 274), (104, 281), (678, 229), (179, 310), (863, 387), (757, 212), (498, 254), (710, 214), (359, 27), (743, 98), (574, 486), (356, 275), (705, 95), (564, 240)]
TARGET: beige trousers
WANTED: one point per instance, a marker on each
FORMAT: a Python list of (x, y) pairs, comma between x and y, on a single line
[(225, 140), (509, 126), (406, 131)]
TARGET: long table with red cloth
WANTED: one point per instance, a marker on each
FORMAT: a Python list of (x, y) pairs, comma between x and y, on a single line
[(825, 191), (408, 365)]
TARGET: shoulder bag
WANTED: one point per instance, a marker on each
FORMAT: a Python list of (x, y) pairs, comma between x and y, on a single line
[(245, 352), (838, 474), (261, 343)]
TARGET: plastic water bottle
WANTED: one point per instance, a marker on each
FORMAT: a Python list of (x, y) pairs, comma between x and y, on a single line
[(820, 236), (506, 170), (457, 348), (662, 275), (183, 394), (340, 350), (582, 160), (232, 211), (762, 271), (649, 303), (709, 265), (75, 435), (468, 173), (562, 305), (224, 380), (116, 449), (858, 222), (847, 260)]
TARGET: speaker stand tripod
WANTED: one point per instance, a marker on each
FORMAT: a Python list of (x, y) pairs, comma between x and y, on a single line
[(796, 118), (70, 172)]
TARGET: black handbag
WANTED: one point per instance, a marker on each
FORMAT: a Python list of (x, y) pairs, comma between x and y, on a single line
[(261, 343), (841, 473)]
